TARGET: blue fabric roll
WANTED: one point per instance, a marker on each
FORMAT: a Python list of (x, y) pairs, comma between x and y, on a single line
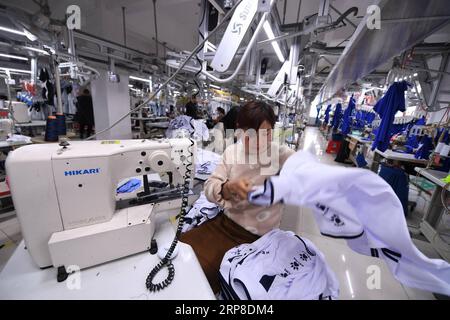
[(387, 107), (398, 180)]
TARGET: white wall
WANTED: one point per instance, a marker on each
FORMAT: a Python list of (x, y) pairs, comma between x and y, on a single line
[(111, 101)]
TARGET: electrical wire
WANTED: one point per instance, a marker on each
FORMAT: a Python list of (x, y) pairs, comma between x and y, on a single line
[(193, 53), (166, 261)]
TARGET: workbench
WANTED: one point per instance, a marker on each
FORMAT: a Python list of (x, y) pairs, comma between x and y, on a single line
[(355, 141), (12, 145), (396, 156), (434, 214), (32, 125), (119, 279)]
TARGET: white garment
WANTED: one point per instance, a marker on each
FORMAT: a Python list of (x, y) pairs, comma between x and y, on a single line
[(279, 265), (18, 138), (206, 161), (202, 210), (357, 205), (181, 127)]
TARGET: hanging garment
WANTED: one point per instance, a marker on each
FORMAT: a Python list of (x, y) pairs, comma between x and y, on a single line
[(278, 266), (318, 108), (357, 205), (48, 93), (43, 75), (337, 116), (181, 127), (327, 114), (398, 180), (346, 118), (425, 148), (387, 107), (202, 210), (360, 160)]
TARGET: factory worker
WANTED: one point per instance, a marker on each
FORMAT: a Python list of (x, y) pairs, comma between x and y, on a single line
[(244, 164)]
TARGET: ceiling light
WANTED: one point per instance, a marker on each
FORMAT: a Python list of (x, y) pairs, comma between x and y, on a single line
[(270, 35), (21, 33), (15, 70), (140, 79), (36, 50), (10, 56), (415, 74), (29, 35), (130, 85), (215, 87)]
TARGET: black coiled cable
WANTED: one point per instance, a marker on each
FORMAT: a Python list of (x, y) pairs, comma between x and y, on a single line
[(166, 261)]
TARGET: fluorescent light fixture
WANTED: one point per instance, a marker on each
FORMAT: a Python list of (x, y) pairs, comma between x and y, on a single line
[(29, 35), (21, 33), (270, 35), (15, 70), (130, 85), (36, 50), (140, 79), (215, 87), (10, 56)]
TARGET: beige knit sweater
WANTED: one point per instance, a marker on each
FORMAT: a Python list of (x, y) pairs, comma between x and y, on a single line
[(236, 164)]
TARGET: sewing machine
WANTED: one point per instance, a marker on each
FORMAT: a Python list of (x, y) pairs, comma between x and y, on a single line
[(66, 202)]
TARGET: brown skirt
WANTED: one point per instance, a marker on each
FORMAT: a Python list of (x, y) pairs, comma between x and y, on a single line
[(211, 240)]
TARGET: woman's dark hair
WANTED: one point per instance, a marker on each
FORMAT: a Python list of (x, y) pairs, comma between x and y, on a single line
[(253, 114), (221, 110)]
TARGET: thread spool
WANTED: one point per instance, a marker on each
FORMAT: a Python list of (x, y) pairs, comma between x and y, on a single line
[(61, 124), (51, 129)]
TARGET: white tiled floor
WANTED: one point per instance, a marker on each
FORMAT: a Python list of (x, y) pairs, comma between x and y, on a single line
[(349, 266)]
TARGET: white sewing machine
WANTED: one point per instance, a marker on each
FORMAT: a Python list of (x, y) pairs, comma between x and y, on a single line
[(66, 202)]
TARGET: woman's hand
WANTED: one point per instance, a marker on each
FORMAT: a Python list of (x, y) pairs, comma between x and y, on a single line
[(236, 189)]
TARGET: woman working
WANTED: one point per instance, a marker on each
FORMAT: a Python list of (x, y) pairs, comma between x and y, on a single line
[(244, 164)]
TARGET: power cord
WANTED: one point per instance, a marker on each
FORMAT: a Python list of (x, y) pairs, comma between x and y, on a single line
[(166, 261)]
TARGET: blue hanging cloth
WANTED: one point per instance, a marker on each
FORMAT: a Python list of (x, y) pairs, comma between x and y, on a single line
[(425, 147), (346, 119), (318, 108), (327, 114), (337, 116), (360, 160), (387, 107), (411, 143)]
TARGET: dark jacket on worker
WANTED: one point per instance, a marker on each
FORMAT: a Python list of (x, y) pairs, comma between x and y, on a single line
[(192, 110), (85, 110)]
